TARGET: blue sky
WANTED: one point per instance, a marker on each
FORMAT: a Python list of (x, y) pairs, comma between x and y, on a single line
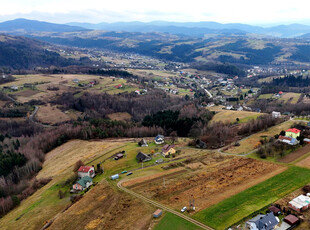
[(261, 12)]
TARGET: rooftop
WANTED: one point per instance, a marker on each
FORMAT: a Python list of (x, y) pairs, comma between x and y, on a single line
[(293, 130), (85, 168)]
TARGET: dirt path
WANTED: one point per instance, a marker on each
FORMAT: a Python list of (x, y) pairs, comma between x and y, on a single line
[(189, 219), (295, 155)]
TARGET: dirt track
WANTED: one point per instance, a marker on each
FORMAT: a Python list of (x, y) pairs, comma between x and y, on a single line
[(295, 155)]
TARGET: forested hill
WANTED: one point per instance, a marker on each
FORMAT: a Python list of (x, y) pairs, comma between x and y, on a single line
[(24, 53)]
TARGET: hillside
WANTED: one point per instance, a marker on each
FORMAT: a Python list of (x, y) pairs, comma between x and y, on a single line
[(24, 53), (246, 50)]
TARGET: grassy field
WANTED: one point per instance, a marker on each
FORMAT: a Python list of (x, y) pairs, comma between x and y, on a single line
[(235, 208), (173, 222), (265, 96), (249, 144), (231, 116)]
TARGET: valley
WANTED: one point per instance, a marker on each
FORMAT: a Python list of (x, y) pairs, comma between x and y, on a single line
[(152, 129)]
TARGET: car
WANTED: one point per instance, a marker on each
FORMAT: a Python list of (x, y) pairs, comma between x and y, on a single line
[(124, 172), (184, 209), (128, 174), (159, 161)]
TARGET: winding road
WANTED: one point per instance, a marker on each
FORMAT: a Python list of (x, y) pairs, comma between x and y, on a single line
[(189, 219)]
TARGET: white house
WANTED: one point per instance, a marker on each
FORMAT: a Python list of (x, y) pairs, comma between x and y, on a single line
[(276, 114), (86, 171)]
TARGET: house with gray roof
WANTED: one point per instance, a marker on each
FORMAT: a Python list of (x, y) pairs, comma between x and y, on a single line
[(263, 222)]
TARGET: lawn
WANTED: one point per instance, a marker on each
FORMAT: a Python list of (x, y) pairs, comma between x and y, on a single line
[(173, 222), (238, 207)]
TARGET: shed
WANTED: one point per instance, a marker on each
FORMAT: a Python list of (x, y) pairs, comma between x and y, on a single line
[(142, 157), (276, 211), (157, 213), (114, 177), (200, 144), (291, 220), (307, 140), (143, 143)]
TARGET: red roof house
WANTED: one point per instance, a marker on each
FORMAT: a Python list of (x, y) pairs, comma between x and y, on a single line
[(118, 86), (293, 130), (280, 93), (86, 171)]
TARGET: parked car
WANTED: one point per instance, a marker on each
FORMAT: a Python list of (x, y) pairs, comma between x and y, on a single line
[(184, 209), (159, 161), (128, 174), (124, 172)]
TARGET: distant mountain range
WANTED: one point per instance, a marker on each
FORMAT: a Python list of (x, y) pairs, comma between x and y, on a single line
[(22, 26), (197, 29)]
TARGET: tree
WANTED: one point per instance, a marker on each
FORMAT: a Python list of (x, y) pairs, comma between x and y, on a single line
[(77, 165), (174, 136)]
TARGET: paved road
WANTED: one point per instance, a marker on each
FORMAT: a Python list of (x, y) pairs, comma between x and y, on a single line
[(189, 219)]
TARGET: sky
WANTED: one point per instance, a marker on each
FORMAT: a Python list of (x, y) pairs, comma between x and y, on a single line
[(262, 12)]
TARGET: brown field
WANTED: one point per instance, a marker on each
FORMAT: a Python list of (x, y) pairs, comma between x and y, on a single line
[(120, 116), (105, 208), (51, 115), (304, 162), (3, 103), (210, 180), (295, 155), (290, 97), (27, 93)]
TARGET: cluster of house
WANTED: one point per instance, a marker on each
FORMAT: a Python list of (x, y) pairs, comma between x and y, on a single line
[(119, 86), (141, 91), (270, 221), (89, 84), (290, 137), (85, 175), (167, 150)]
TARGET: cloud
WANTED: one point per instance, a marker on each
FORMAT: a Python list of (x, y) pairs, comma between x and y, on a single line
[(245, 11)]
